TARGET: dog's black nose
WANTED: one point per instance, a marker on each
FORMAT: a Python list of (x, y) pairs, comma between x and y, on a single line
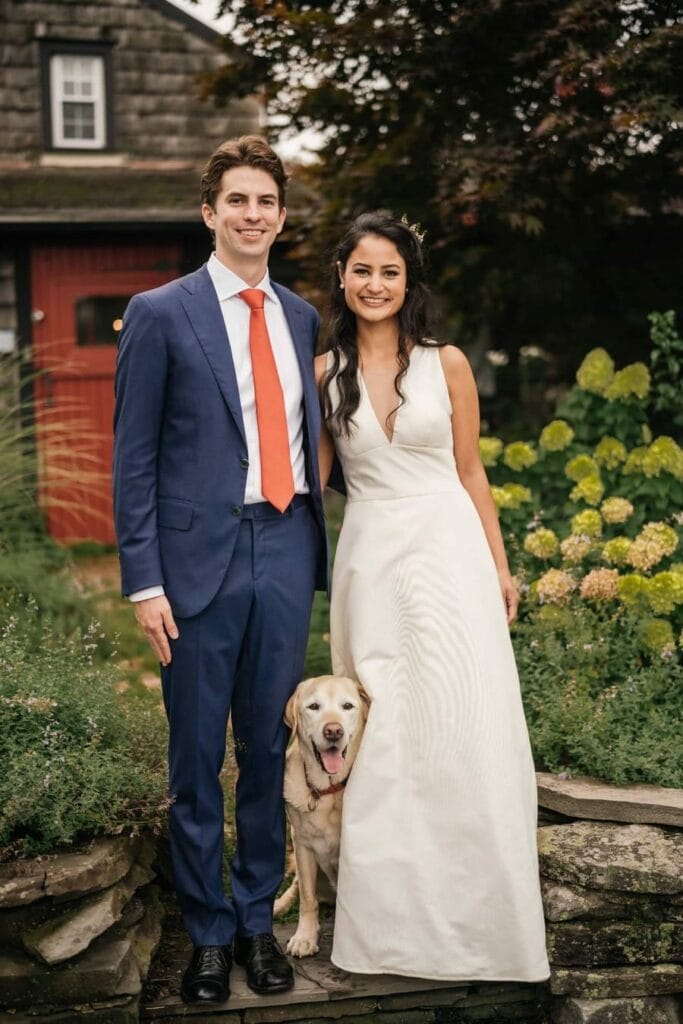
[(333, 732)]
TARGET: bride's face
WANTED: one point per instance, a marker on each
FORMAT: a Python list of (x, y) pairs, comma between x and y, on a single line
[(374, 279)]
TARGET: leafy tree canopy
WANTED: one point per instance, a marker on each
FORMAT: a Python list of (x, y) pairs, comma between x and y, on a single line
[(536, 140)]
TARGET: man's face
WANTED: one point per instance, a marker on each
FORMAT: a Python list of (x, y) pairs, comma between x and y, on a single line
[(247, 217)]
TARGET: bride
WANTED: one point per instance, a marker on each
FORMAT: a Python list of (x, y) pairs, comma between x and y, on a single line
[(438, 872)]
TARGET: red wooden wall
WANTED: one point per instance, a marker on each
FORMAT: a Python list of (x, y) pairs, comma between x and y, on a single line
[(74, 385)]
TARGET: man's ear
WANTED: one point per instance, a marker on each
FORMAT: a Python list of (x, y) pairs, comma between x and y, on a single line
[(208, 216), (292, 711), (283, 218)]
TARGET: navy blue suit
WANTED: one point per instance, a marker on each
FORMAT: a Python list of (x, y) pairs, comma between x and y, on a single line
[(239, 578)]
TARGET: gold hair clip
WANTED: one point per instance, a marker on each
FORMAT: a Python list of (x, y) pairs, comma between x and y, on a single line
[(415, 228)]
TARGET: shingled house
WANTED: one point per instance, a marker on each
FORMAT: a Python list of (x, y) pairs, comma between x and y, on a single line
[(103, 137)]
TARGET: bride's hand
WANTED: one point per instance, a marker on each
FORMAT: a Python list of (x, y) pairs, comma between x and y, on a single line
[(510, 594)]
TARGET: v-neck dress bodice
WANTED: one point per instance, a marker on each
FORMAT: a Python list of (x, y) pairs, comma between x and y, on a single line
[(419, 456), (438, 873)]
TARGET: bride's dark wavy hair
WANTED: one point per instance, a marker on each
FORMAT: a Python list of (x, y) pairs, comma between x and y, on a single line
[(414, 319)]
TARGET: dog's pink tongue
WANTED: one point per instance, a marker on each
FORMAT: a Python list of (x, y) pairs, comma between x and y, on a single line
[(332, 761)]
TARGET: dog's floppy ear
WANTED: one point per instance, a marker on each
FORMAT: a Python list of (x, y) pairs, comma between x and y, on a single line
[(292, 711), (365, 701)]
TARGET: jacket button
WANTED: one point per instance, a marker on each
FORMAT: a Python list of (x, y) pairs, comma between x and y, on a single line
[(237, 510), (244, 462)]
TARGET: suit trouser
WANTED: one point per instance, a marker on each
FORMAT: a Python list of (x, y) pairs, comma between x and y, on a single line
[(243, 654)]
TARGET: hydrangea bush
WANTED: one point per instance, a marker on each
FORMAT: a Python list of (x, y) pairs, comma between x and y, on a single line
[(592, 515)]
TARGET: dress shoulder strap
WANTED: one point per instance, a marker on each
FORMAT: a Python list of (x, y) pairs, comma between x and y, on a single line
[(433, 369)]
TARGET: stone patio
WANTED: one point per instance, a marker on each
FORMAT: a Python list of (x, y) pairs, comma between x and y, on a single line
[(324, 993)]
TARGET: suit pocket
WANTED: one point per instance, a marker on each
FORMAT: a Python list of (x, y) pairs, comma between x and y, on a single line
[(174, 513)]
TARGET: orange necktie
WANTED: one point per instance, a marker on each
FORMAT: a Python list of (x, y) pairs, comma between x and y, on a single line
[(277, 480)]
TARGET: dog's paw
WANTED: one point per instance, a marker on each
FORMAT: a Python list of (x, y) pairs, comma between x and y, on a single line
[(303, 945)]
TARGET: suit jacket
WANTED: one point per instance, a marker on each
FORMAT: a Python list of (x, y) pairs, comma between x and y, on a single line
[(180, 454)]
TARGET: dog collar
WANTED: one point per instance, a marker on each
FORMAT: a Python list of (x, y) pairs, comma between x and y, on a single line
[(336, 787)]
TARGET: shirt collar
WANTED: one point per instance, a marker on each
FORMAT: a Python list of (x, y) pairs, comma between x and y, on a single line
[(228, 284)]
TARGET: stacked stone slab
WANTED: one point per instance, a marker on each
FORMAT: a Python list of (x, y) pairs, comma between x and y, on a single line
[(613, 898), (77, 933)]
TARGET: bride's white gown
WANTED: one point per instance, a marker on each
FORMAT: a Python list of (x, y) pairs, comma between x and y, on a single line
[(438, 874)]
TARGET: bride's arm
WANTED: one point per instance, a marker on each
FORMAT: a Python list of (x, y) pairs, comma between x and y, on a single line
[(326, 444), (465, 424)]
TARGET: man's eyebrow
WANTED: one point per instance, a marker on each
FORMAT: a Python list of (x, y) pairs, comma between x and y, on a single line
[(236, 194)]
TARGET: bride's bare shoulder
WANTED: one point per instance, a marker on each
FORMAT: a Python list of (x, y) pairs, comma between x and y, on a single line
[(455, 363)]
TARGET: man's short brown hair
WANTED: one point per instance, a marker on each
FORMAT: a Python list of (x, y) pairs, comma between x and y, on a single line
[(247, 151)]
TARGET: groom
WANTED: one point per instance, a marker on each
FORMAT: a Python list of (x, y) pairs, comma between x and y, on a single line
[(221, 539)]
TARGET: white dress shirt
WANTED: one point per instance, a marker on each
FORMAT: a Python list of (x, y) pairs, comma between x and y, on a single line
[(236, 315)]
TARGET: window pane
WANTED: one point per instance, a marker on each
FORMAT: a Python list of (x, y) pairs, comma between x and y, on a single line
[(79, 120), (99, 319), (77, 101)]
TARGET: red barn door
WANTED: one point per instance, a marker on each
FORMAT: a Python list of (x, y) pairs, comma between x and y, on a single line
[(78, 297)]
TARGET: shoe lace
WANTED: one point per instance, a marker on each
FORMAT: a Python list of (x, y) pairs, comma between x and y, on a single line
[(268, 943), (211, 957)]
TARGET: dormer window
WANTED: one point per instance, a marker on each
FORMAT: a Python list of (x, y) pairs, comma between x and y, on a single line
[(77, 102)]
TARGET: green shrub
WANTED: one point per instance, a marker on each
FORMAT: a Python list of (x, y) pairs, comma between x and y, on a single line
[(596, 699), (666, 361), (78, 759), (591, 515), (32, 577), (592, 508)]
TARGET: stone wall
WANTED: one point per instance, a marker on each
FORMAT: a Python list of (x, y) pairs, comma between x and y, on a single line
[(156, 59), (613, 899), (77, 934)]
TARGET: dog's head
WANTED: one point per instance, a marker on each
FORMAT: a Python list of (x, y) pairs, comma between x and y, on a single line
[(327, 715)]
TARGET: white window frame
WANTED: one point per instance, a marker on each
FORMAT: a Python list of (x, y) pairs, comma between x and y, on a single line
[(97, 97)]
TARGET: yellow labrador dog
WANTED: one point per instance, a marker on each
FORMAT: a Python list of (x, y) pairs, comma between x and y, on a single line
[(327, 716)]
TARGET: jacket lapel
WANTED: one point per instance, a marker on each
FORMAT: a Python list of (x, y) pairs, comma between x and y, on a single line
[(204, 312)]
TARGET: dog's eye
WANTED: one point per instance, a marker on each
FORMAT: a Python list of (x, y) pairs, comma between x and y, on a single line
[(314, 706), (348, 706)]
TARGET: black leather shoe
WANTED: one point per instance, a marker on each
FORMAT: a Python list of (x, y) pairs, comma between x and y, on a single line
[(207, 979), (268, 969)]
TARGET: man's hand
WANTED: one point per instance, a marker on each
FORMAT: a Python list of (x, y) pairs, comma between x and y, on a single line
[(156, 618)]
